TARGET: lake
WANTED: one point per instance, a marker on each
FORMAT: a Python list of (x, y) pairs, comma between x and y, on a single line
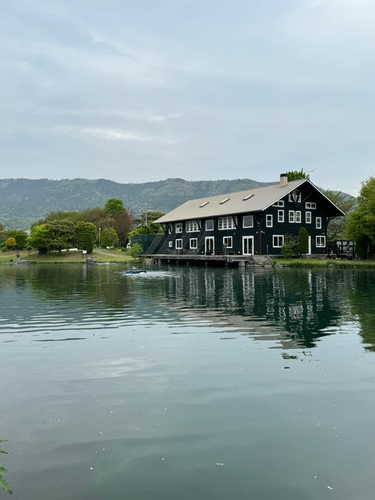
[(187, 383)]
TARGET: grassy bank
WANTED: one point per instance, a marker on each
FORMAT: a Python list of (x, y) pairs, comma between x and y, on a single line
[(317, 263), (72, 257)]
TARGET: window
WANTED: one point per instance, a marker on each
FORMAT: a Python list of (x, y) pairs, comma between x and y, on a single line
[(170, 244), (308, 217), (209, 225), (318, 223), (279, 203), (227, 222), (228, 241), (192, 226), (248, 221), (309, 205), (269, 220), (178, 244), (291, 216), (298, 217), (280, 216), (179, 227), (295, 196), (278, 241), (320, 241), (193, 243)]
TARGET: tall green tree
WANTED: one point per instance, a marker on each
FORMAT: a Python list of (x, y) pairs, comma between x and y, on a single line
[(85, 231), (39, 238), (361, 221), (114, 206)]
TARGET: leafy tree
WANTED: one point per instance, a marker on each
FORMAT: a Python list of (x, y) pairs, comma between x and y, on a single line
[(106, 240), (11, 243), (19, 235), (361, 221), (93, 215), (123, 223), (61, 234), (85, 231), (113, 207), (39, 238), (295, 175), (149, 216), (303, 241), (89, 245), (337, 225), (149, 229)]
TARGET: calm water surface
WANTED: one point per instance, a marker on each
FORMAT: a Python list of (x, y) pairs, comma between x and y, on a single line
[(187, 383)]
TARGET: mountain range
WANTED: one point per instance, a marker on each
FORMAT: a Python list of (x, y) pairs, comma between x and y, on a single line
[(23, 201)]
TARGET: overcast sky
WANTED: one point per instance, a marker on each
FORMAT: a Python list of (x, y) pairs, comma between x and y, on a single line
[(138, 90)]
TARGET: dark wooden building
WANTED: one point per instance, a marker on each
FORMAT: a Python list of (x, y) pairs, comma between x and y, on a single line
[(247, 223)]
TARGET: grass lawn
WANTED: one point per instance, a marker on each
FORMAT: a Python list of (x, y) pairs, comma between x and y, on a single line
[(317, 263), (112, 255)]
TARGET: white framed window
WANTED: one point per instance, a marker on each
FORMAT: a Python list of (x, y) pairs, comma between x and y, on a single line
[(269, 220), (192, 226), (278, 240), (170, 244), (320, 241), (291, 216), (308, 217), (169, 229), (295, 196), (280, 216), (179, 227), (193, 243), (279, 203), (247, 221), (310, 205), (209, 225), (227, 223), (228, 241), (318, 223), (178, 243), (297, 217)]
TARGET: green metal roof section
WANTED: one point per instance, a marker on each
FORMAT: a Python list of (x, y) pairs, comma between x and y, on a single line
[(249, 201)]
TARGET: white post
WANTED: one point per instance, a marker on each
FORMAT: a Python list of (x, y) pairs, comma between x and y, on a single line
[(99, 236)]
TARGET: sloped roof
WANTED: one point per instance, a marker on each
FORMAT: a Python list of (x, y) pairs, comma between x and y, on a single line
[(251, 200)]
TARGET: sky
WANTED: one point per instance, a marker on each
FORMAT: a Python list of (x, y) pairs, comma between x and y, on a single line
[(137, 91)]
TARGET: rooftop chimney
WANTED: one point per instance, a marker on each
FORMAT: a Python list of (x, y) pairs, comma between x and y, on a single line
[(283, 180)]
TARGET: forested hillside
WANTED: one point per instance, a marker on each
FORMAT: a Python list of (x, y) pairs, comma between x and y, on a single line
[(22, 201)]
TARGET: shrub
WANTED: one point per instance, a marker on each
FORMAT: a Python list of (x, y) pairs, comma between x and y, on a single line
[(303, 241), (135, 251), (11, 243), (289, 248), (4, 249)]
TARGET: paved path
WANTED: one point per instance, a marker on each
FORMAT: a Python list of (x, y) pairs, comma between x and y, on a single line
[(106, 253)]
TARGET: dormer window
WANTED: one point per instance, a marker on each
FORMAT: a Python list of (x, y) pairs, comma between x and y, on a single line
[(224, 201), (204, 204)]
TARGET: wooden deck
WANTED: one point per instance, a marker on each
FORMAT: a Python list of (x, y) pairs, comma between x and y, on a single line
[(210, 260)]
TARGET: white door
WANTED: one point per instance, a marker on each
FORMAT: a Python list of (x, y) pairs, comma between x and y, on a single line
[(247, 245), (210, 245)]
